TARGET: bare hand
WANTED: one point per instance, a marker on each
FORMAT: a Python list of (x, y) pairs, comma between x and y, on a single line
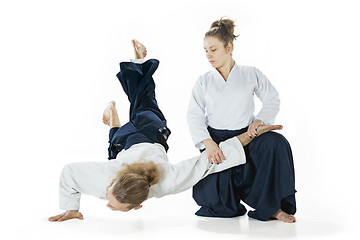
[(252, 130), (213, 151), (263, 129), (70, 214)]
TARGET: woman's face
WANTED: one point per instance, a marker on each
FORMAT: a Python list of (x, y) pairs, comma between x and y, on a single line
[(115, 205), (216, 53)]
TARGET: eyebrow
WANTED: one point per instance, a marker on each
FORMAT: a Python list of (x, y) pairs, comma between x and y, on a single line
[(210, 47)]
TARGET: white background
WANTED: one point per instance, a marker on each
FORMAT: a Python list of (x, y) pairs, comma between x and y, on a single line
[(58, 61)]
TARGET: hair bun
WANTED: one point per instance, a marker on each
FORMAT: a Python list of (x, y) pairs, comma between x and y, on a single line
[(223, 29)]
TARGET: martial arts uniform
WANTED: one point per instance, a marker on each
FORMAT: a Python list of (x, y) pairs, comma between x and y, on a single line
[(142, 139), (146, 122), (221, 109)]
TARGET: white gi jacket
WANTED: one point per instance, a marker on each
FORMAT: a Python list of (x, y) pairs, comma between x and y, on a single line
[(230, 104), (93, 178)]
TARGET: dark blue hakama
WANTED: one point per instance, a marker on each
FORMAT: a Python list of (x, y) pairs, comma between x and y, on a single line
[(146, 122), (266, 182)]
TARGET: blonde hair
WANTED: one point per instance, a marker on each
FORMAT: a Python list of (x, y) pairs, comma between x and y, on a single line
[(222, 29), (132, 184)]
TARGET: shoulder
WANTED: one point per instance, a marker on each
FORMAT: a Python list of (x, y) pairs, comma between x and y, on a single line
[(251, 72), (204, 79), (76, 167), (247, 69), (208, 76)]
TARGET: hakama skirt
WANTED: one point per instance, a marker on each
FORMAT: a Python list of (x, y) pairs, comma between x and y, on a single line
[(266, 182), (146, 121)]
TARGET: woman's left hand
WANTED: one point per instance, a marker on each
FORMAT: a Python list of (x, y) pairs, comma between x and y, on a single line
[(252, 130)]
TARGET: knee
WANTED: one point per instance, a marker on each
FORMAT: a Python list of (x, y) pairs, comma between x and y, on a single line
[(273, 139)]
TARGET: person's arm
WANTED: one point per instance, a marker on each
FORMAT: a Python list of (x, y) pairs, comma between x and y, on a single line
[(187, 173), (269, 97), (69, 196), (85, 177), (214, 153), (196, 117), (245, 139), (70, 214), (197, 124)]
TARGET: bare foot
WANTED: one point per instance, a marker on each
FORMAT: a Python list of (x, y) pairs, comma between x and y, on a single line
[(140, 49), (284, 217), (108, 112)]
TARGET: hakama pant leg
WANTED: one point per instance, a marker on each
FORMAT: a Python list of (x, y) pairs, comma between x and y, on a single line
[(266, 182), (217, 194), (147, 123)]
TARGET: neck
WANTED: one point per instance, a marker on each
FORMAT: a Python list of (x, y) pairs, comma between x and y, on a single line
[(226, 68)]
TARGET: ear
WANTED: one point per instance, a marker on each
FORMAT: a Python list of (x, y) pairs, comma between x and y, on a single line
[(138, 207), (229, 48)]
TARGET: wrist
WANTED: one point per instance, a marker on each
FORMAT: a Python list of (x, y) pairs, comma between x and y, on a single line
[(207, 141), (244, 139)]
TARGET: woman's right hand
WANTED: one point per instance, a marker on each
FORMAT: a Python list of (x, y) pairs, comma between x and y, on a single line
[(213, 151), (70, 214)]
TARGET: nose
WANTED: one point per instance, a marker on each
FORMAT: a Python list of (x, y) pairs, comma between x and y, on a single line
[(209, 56)]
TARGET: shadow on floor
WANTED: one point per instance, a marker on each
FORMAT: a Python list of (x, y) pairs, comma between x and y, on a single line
[(269, 229)]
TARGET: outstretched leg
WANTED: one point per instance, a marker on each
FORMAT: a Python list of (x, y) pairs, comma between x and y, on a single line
[(137, 82), (110, 115), (146, 121)]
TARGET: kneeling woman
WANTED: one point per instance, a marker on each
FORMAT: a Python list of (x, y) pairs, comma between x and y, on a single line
[(221, 107), (139, 168)]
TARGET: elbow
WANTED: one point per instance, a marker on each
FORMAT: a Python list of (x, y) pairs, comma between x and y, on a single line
[(66, 173)]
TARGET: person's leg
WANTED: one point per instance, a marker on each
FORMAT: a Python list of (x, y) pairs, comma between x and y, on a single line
[(270, 180), (146, 120), (217, 194), (248, 182), (287, 203), (138, 84), (110, 115)]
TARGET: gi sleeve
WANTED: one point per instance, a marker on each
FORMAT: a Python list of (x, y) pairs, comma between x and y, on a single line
[(186, 174), (268, 96), (86, 177), (196, 115)]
